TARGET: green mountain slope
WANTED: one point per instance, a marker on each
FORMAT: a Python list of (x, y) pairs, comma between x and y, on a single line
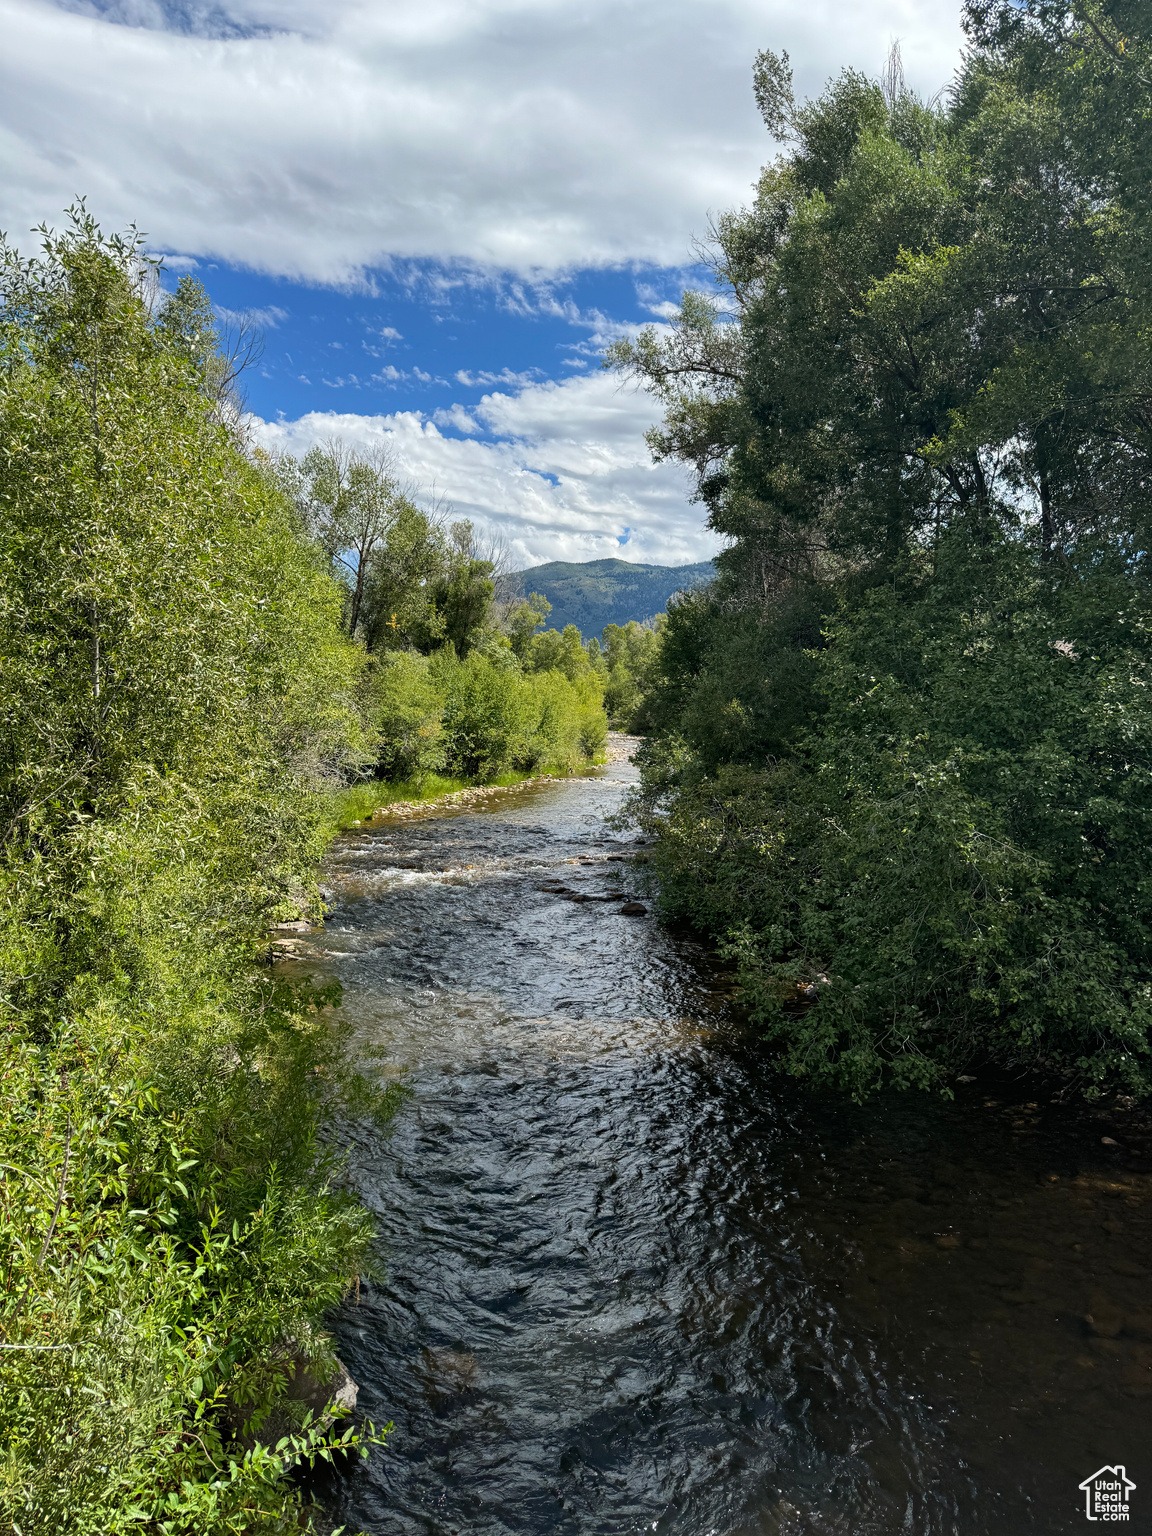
[(593, 593)]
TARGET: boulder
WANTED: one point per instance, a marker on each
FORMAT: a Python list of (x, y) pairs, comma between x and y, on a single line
[(322, 1390), (320, 1385)]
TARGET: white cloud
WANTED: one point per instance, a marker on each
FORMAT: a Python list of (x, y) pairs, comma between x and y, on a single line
[(457, 417), (266, 319), (505, 376), (313, 138), (565, 474)]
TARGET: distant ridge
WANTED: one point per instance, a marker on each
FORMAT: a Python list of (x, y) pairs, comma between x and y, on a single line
[(593, 593)]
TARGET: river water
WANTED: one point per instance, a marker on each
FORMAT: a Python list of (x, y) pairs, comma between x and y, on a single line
[(633, 1281)]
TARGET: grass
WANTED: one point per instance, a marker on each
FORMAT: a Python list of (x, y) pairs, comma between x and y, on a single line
[(360, 802)]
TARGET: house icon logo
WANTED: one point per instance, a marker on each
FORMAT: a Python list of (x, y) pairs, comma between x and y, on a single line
[(1106, 1494)]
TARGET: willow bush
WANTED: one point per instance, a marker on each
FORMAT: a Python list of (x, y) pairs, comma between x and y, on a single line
[(176, 697), (484, 714)]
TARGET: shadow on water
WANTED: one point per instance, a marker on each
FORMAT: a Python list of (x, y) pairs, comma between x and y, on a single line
[(635, 1282)]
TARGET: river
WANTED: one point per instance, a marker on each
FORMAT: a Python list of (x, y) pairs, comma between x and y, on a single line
[(632, 1280)]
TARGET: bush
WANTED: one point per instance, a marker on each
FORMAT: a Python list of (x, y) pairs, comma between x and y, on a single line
[(956, 864), (498, 719), (175, 699), (488, 717), (407, 709)]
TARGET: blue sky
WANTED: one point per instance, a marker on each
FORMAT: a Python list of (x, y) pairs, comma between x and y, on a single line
[(427, 337), (439, 211)]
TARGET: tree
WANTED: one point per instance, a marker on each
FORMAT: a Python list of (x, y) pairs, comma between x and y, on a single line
[(903, 757), (463, 591), (351, 501), (398, 608), (176, 695), (187, 321)]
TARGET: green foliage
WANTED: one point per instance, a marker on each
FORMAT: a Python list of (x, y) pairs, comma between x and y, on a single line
[(632, 658), (561, 651), (523, 619), (176, 698), (900, 762), (499, 718), (408, 707), (955, 864), (487, 714), (463, 591)]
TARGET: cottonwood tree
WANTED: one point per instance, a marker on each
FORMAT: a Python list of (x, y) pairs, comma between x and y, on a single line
[(904, 747), (351, 501)]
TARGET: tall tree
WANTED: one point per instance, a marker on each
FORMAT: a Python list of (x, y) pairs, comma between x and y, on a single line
[(351, 501), (911, 713)]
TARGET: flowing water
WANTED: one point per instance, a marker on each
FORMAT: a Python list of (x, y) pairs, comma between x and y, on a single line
[(634, 1281)]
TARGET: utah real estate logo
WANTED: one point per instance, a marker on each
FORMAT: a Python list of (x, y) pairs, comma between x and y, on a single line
[(1106, 1494)]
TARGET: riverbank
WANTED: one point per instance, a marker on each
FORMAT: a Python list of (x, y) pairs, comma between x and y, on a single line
[(360, 804)]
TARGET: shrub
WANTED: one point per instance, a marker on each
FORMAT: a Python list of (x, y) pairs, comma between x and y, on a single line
[(175, 698), (956, 864), (407, 709)]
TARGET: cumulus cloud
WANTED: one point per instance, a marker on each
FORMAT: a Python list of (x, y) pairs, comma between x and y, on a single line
[(564, 472), (457, 417), (317, 138)]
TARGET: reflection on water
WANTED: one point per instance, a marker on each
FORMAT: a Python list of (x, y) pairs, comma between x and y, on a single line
[(634, 1282)]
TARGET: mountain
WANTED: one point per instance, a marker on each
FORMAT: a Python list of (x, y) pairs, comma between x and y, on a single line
[(593, 593)]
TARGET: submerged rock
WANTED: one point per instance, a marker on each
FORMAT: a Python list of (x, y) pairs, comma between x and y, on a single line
[(1104, 1318), (447, 1373)]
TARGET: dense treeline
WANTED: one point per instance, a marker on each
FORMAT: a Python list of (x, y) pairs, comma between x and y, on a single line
[(901, 755), (458, 681), (190, 665)]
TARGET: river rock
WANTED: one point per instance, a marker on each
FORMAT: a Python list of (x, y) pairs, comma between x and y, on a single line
[(320, 1389), (634, 909), (448, 1373), (1136, 1379), (320, 1385), (1127, 1267), (1104, 1317)]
